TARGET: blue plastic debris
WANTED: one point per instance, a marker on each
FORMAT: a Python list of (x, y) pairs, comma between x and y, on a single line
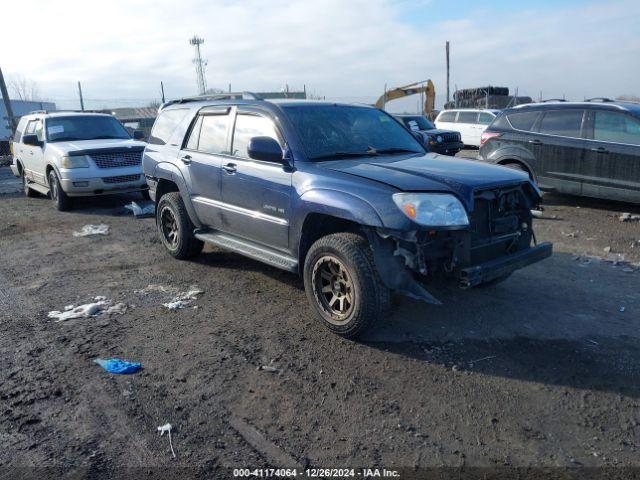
[(115, 365)]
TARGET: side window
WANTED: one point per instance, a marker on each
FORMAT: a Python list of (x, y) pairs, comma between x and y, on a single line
[(247, 127), (447, 117), (31, 127), (485, 118), (165, 125), (616, 127), (17, 137), (522, 120), (194, 136), (566, 123), (468, 117), (213, 134)]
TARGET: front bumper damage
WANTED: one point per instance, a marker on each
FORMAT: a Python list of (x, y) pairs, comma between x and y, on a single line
[(498, 241)]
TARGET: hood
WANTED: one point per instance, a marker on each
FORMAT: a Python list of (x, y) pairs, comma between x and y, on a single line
[(431, 172), (83, 147), (437, 131)]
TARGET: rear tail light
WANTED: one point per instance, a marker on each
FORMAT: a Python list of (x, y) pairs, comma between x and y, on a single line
[(487, 136)]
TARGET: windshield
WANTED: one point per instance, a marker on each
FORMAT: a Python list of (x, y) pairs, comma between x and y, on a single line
[(338, 131), (84, 127), (418, 123)]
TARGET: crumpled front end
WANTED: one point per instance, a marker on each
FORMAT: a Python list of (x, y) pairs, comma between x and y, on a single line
[(499, 240)]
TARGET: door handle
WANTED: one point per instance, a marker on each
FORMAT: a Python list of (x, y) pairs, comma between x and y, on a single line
[(600, 150), (186, 159), (535, 141), (230, 168)]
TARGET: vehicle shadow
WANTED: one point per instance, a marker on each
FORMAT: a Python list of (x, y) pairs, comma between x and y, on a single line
[(556, 322), (560, 199), (112, 205)]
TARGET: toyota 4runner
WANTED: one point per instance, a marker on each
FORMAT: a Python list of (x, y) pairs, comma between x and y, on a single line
[(342, 194), (74, 154)]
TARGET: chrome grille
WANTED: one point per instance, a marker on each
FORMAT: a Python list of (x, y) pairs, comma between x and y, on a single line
[(121, 179), (117, 159)]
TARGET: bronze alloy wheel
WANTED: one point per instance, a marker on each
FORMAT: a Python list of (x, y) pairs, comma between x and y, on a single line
[(169, 225), (333, 289)]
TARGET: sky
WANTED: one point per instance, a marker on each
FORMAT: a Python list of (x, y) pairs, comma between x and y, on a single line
[(344, 50)]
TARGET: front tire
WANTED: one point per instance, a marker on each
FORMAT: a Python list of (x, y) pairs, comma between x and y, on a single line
[(343, 285), (60, 199), (175, 227)]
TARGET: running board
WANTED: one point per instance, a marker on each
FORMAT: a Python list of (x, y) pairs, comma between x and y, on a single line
[(38, 188), (249, 249)]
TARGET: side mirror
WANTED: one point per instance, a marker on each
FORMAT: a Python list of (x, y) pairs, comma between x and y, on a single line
[(31, 139), (138, 135), (266, 149)]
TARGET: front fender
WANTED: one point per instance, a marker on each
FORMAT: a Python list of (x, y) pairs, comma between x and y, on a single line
[(338, 204), (168, 171)]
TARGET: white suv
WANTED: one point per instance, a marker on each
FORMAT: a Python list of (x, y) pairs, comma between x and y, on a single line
[(73, 154), (469, 122)]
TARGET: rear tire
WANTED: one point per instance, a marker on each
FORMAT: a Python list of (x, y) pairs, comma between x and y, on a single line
[(343, 285), (60, 199), (175, 227), (25, 187)]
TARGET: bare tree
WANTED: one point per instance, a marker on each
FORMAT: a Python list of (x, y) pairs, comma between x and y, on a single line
[(154, 104), (628, 98), (24, 89)]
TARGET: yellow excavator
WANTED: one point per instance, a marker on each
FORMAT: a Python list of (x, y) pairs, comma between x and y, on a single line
[(426, 87)]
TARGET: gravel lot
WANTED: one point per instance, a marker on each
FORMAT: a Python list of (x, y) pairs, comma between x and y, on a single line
[(540, 371)]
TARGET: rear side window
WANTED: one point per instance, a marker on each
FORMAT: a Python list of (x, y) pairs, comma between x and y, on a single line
[(31, 127), (616, 127), (467, 117), (447, 117), (247, 127), (213, 134), (166, 124), (522, 120), (485, 118), (20, 130), (566, 123)]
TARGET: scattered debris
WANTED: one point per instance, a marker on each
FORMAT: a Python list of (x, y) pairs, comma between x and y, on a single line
[(141, 211), (482, 359), (87, 230), (100, 305), (537, 213), (628, 217), (622, 309), (176, 305), (571, 234), (593, 342), (607, 249), (268, 368), (167, 428), (121, 367)]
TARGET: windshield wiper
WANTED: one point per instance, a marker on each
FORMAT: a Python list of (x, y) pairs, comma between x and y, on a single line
[(65, 139), (382, 151), (105, 137)]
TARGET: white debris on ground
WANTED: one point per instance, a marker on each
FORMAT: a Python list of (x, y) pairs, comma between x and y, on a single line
[(87, 230), (615, 259), (628, 217), (166, 428), (141, 211), (179, 299), (99, 306)]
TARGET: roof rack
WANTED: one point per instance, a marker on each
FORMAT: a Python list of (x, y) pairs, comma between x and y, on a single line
[(214, 96), (546, 100), (598, 99), (46, 112)]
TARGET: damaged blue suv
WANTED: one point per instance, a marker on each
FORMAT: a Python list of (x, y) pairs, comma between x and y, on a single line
[(341, 194)]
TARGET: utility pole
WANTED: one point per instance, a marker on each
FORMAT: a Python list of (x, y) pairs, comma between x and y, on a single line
[(200, 64), (7, 104), (81, 99), (162, 90), (447, 50)]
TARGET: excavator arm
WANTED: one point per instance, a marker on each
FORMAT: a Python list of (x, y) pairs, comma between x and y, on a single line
[(425, 87)]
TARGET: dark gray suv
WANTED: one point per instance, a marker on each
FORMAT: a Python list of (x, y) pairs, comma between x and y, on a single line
[(587, 148)]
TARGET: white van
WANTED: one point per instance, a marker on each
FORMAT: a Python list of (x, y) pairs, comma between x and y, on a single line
[(469, 122)]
